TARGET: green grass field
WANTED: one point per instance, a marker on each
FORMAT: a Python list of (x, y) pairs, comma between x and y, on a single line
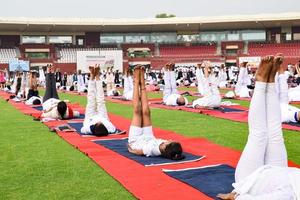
[(37, 164)]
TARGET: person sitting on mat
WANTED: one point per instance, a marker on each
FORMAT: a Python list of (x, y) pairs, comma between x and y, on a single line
[(96, 120), (128, 84), (289, 113), (262, 172), (171, 96), (241, 87), (211, 94), (33, 97), (141, 140), (53, 107)]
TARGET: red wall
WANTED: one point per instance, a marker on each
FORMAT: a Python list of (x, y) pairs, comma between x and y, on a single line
[(66, 67)]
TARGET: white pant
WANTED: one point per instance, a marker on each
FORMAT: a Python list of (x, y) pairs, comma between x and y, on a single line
[(211, 101), (128, 88), (288, 112), (265, 145), (294, 94), (200, 77), (212, 97), (170, 84), (95, 100)]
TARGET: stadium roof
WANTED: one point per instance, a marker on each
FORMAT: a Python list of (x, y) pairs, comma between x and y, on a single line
[(150, 24)]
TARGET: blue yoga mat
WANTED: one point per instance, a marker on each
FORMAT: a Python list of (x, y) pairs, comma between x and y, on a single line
[(211, 180), (78, 125), (227, 109), (40, 108), (120, 146)]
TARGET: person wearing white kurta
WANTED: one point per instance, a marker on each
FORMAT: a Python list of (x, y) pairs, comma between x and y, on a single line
[(288, 113), (222, 77), (200, 79), (128, 87), (170, 94), (110, 81), (80, 83), (96, 110), (211, 94), (294, 93), (262, 172), (42, 77), (243, 81), (141, 140)]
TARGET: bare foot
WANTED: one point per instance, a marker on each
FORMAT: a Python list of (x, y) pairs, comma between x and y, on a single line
[(229, 196), (276, 66), (264, 69)]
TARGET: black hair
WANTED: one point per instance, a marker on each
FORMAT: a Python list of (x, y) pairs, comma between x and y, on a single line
[(115, 93), (36, 102), (173, 151), (180, 103), (62, 108), (99, 130)]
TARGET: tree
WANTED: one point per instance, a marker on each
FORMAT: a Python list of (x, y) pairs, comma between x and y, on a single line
[(164, 15)]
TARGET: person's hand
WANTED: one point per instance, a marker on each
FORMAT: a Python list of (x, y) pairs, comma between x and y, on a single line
[(229, 196)]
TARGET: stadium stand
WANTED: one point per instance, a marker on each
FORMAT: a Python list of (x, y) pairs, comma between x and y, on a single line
[(188, 51), (289, 50), (7, 54)]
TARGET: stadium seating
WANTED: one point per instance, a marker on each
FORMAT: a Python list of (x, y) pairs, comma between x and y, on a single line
[(289, 50), (7, 54), (187, 51), (69, 55)]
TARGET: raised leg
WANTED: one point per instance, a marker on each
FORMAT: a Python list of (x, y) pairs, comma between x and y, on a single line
[(253, 155), (276, 152), (91, 109), (144, 100), (100, 101), (136, 101)]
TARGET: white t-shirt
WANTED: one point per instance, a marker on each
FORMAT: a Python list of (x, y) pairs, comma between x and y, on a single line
[(171, 100), (143, 139), (86, 129)]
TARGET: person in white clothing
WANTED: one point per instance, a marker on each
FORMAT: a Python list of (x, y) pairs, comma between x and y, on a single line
[(128, 85), (80, 82), (211, 95), (294, 93), (200, 79), (171, 96), (222, 77), (262, 172), (96, 120), (141, 140), (110, 86), (53, 107), (241, 89), (288, 113)]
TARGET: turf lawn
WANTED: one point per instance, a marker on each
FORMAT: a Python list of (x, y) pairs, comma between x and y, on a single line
[(37, 164)]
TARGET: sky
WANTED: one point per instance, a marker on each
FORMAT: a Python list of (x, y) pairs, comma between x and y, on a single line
[(142, 8)]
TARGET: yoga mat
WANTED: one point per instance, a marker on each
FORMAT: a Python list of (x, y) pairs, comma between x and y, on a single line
[(40, 108), (120, 146), (78, 125), (210, 180), (229, 110), (293, 124)]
